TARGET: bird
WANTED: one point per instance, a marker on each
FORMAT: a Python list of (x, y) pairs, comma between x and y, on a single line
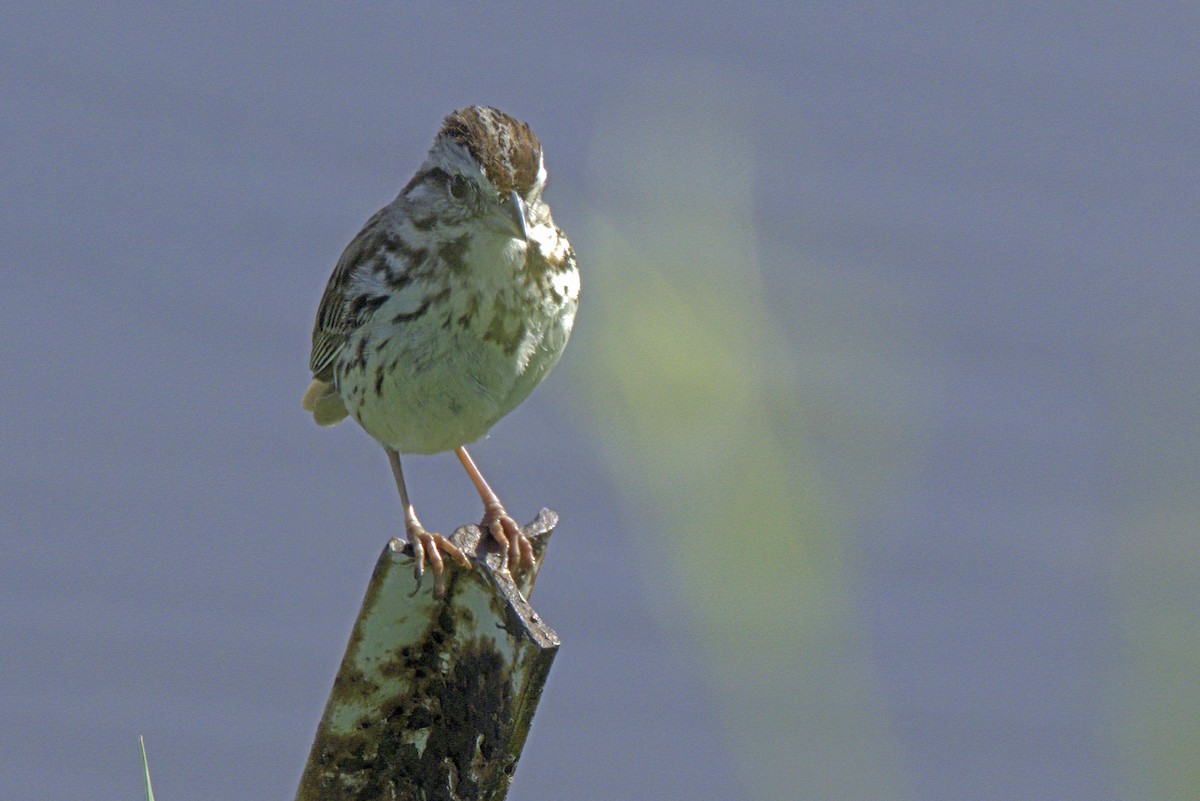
[(445, 311)]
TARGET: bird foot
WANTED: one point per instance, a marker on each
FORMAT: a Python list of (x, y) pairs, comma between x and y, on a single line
[(426, 545), (518, 550)]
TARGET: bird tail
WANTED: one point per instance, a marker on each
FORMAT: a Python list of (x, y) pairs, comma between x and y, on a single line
[(321, 398)]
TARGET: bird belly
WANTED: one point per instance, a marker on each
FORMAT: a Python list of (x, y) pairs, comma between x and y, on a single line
[(428, 391)]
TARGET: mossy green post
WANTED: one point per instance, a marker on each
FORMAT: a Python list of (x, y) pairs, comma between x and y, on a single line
[(434, 697)]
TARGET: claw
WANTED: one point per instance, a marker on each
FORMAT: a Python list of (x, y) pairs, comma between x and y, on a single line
[(518, 550), (418, 550), (426, 544)]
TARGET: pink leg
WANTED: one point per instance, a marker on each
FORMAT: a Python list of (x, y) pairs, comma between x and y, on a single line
[(424, 544), (518, 549)]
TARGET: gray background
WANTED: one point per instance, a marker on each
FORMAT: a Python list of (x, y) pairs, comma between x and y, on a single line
[(876, 446)]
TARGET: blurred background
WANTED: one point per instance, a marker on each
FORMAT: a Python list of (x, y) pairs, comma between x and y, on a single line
[(876, 445)]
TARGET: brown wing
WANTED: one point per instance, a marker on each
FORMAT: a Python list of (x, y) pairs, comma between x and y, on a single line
[(339, 313)]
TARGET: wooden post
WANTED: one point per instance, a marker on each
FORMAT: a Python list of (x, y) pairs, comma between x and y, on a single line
[(434, 697)]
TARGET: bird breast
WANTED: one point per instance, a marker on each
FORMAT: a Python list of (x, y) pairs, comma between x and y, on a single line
[(445, 358)]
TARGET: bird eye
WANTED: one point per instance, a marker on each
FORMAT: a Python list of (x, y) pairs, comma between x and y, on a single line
[(460, 188)]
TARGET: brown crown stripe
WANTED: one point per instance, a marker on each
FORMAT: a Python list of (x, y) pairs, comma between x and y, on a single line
[(507, 148)]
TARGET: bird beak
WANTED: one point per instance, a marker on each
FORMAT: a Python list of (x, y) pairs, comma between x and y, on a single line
[(514, 210)]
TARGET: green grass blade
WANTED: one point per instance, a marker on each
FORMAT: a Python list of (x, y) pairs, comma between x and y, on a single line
[(146, 769)]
